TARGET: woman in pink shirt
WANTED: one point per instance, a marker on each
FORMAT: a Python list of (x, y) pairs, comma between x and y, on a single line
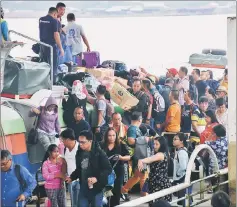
[(54, 171)]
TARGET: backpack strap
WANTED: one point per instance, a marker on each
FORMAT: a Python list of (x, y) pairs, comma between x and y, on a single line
[(21, 181), (178, 152)]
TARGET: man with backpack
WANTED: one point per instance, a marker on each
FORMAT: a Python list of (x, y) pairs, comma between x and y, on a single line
[(101, 112), (180, 163), (140, 145), (17, 184)]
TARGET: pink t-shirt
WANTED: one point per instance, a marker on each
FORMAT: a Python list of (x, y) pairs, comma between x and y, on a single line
[(49, 170)]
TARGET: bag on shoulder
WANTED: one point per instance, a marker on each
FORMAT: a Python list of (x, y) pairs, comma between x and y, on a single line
[(109, 111), (33, 134)]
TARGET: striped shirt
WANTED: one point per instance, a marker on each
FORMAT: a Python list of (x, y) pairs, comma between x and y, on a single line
[(49, 170)]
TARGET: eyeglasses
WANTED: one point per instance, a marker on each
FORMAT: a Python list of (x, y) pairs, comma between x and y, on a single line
[(4, 163), (82, 142)]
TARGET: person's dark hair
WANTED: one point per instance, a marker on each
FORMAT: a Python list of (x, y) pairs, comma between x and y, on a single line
[(212, 92), (60, 4), (107, 96), (184, 70), (136, 116), (190, 94), (220, 102), (191, 80), (161, 203), (203, 99), (169, 81), (211, 74), (52, 10), (87, 134), (5, 154), (163, 144), (49, 151), (197, 71), (105, 142), (71, 17), (182, 138), (220, 199), (135, 79), (115, 113), (146, 83), (101, 89), (219, 130), (175, 94), (68, 134), (212, 115)]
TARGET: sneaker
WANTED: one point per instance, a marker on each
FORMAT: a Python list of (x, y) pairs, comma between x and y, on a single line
[(127, 197)]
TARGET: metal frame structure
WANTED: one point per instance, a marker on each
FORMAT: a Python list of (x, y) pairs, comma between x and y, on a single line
[(41, 43), (187, 183)]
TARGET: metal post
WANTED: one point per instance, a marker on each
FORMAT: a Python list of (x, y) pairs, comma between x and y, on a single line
[(41, 43), (202, 182)]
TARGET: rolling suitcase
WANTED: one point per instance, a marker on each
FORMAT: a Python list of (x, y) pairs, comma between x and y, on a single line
[(89, 59)]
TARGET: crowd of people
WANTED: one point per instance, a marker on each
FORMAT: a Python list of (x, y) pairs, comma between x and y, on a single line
[(150, 143), (137, 146)]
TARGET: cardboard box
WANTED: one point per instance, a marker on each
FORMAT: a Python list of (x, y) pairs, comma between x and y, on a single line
[(122, 97), (101, 72), (123, 81)]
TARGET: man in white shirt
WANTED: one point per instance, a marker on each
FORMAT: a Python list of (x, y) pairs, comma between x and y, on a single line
[(74, 34), (183, 84), (71, 146)]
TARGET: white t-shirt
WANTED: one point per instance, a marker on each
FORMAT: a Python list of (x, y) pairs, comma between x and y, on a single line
[(70, 158), (73, 37)]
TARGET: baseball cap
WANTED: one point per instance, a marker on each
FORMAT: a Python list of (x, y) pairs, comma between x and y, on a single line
[(173, 71)]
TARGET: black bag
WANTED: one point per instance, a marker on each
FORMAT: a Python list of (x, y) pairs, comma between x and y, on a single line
[(33, 134)]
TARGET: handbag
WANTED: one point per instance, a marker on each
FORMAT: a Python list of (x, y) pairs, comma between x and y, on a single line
[(33, 134)]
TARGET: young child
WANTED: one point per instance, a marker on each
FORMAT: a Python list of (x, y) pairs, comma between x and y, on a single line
[(48, 124), (54, 170), (74, 34)]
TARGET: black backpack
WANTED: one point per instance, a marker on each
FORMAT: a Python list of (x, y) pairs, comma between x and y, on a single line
[(22, 182), (148, 102)]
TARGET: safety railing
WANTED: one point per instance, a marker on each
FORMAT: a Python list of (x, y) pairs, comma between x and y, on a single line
[(187, 183), (41, 43)]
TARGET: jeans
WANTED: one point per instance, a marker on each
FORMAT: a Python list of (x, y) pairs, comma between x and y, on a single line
[(87, 198), (74, 189)]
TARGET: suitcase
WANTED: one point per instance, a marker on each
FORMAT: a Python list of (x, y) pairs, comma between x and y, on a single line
[(89, 59), (114, 64), (208, 61)]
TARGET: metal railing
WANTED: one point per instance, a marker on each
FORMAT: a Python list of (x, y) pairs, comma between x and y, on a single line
[(41, 43), (187, 183)]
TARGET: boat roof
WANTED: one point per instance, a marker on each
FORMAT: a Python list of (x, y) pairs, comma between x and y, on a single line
[(11, 121)]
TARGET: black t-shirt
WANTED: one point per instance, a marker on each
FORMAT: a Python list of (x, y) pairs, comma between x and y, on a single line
[(47, 26), (79, 127), (186, 122), (120, 150), (201, 87)]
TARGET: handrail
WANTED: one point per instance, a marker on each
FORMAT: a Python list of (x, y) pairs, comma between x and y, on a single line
[(41, 43), (181, 186)]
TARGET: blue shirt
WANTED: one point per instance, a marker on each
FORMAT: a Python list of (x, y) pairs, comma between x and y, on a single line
[(10, 186), (134, 132), (47, 27)]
